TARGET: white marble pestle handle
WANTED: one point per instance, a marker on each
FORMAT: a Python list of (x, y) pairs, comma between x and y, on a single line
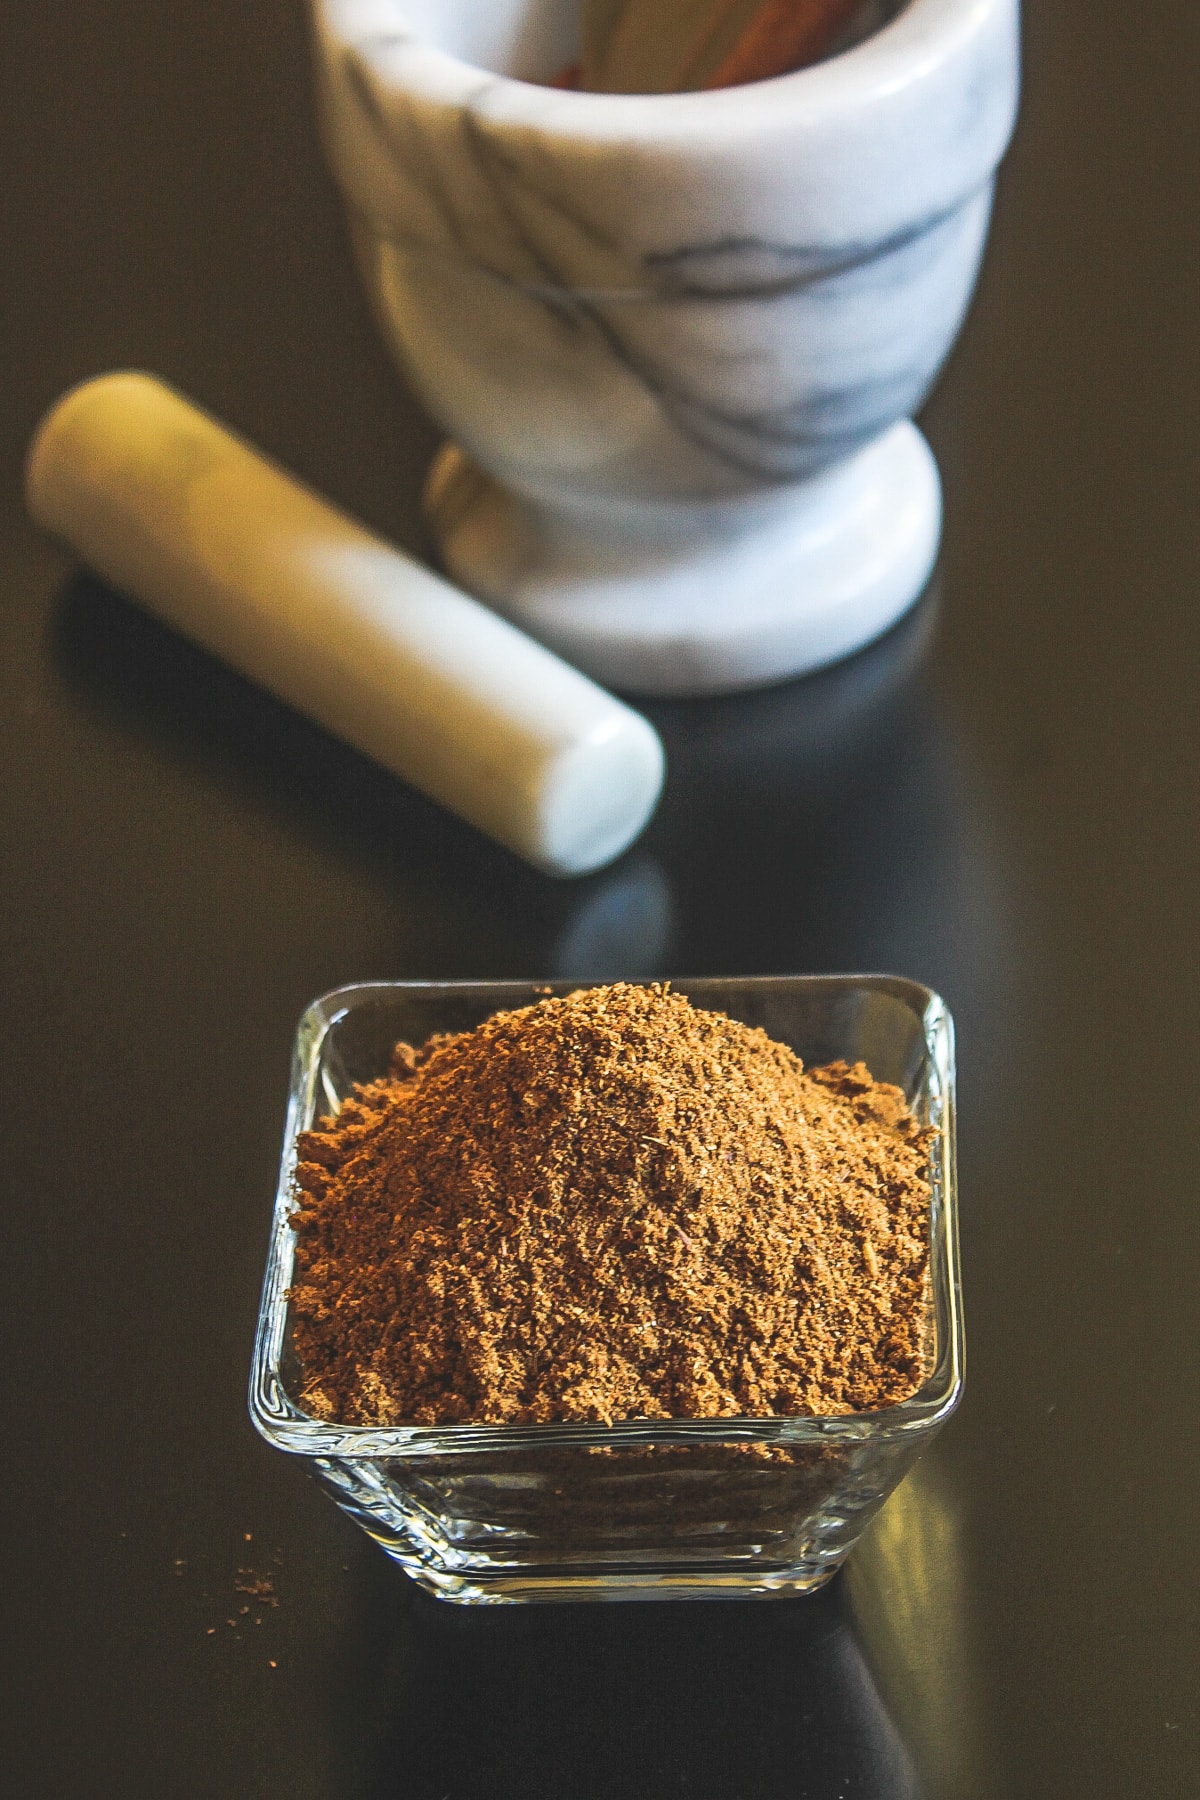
[(169, 506)]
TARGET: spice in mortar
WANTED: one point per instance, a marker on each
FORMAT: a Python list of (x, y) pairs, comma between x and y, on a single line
[(672, 46), (608, 1206)]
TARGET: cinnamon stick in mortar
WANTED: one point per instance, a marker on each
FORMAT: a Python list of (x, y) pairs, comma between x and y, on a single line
[(676, 46), (783, 35)]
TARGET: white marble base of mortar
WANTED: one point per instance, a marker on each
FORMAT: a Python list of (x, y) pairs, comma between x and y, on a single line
[(707, 598)]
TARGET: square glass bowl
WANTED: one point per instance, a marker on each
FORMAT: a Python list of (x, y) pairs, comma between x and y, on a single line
[(689, 1508)]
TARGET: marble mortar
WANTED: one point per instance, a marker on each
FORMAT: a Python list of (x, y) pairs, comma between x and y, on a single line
[(676, 340)]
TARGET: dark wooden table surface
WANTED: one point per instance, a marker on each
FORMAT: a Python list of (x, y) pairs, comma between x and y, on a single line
[(1000, 799)]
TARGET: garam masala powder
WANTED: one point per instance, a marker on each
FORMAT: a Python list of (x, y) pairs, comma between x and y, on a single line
[(610, 1206)]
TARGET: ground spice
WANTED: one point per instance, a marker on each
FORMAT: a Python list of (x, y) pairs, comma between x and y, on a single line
[(609, 1206)]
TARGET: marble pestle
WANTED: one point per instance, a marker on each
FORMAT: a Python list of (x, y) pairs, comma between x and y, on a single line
[(172, 508)]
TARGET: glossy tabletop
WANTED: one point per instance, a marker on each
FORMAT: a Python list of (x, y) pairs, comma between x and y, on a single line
[(1000, 800)]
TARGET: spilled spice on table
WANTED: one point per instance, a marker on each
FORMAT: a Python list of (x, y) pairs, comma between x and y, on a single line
[(261, 1588), (608, 1206)]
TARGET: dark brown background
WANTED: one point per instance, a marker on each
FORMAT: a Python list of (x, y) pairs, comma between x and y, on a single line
[(1000, 800)]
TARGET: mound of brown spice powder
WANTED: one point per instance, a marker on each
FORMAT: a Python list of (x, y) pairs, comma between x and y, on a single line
[(611, 1206)]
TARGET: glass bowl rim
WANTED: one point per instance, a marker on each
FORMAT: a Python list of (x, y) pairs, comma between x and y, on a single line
[(285, 1425)]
